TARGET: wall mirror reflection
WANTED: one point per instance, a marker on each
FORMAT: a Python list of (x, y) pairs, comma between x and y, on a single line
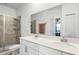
[(57, 21), (58, 26), (47, 22)]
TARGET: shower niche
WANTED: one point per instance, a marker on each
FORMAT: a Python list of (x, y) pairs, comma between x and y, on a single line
[(9, 30)]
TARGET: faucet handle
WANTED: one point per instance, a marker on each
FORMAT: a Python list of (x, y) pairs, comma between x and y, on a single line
[(36, 35), (64, 39)]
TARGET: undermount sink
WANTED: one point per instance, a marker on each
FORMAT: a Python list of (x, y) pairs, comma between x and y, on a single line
[(73, 45), (48, 40), (67, 44)]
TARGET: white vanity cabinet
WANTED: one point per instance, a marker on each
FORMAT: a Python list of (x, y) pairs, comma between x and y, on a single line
[(32, 48)]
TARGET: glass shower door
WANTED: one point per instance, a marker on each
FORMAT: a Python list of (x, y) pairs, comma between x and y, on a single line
[(1, 33), (12, 30), (9, 32)]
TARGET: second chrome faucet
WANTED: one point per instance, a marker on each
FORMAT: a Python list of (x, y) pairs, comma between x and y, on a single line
[(63, 39)]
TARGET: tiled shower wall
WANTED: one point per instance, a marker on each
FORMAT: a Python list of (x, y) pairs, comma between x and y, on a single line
[(10, 30)]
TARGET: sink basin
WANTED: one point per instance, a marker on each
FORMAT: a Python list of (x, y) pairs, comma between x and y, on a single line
[(73, 45), (69, 44), (47, 40), (65, 44)]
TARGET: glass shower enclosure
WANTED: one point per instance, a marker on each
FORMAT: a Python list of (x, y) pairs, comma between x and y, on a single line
[(9, 31)]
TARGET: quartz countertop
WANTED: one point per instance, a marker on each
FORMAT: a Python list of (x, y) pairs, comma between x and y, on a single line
[(71, 48)]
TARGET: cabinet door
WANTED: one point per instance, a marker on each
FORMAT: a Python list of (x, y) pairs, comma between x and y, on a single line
[(30, 51), (28, 48), (22, 49), (30, 44), (48, 51)]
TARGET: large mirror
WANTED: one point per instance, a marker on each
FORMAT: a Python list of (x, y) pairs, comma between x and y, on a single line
[(57, 21)]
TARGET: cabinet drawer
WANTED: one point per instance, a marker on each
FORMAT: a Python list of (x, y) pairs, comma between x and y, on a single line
[(48, 51), (30, 44)]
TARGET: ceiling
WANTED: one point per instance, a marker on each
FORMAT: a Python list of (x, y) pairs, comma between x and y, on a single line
[(12, 5), (18, 5)]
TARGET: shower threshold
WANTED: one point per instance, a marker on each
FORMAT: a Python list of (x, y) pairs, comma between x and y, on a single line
[(10, 50)]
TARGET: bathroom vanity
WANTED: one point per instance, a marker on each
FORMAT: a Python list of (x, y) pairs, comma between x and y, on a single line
[(62, 21), (46, 46)]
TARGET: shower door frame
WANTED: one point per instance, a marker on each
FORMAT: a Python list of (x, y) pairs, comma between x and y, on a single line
[(3, 40), (3, 33)]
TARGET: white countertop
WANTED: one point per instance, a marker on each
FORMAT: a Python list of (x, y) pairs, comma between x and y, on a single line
[(55, 44)]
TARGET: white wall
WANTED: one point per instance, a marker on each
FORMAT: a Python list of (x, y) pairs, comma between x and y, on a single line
[(7, 11), (26, 11), (48, 16), (70, 23)]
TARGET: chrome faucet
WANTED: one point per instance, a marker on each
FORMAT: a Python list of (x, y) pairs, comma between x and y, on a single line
[(36, 35), (63, 39)]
